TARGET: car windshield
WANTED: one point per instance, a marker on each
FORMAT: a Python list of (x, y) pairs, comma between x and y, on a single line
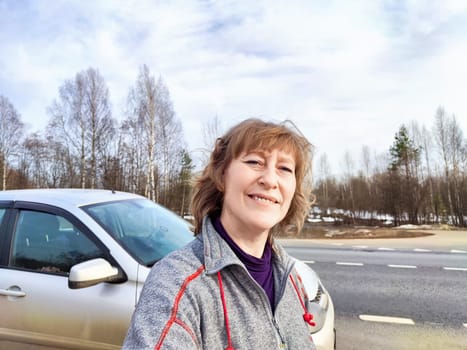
[(146, 230)]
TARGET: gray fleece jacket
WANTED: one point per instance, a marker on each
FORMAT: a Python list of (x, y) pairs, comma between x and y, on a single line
[(181, 305)]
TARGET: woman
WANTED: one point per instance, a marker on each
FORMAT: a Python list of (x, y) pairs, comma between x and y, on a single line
[(233, 287)]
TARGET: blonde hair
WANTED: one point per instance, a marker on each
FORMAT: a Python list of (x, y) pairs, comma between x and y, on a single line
[(251, 135)]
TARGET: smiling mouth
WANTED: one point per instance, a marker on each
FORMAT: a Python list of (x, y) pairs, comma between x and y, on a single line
[(263, 199)]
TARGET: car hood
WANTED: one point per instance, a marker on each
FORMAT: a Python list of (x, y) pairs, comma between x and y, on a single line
[(309, 277)]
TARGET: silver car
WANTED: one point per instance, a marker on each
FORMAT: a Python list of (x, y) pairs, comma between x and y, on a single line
[(73, 262)]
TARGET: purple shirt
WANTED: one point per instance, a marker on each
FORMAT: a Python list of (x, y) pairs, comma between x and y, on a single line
[(259, 268)]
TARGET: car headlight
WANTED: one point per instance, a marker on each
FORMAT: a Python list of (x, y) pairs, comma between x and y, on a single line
[(318, 307), (318, 302)]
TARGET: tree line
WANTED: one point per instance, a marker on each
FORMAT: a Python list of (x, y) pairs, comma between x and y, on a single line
[(422, 179), (83, 145)]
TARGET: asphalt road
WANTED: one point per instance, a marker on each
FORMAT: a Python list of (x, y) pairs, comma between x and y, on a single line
[(393, 295)]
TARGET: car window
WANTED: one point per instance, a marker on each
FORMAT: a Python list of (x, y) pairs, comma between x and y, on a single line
[(49, 243), (2, 213), (146, 230)]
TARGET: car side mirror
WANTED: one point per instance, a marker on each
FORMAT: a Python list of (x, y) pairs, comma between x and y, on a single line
[(92, 272)]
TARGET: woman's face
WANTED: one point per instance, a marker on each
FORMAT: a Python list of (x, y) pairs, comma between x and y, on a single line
[(258, 189)]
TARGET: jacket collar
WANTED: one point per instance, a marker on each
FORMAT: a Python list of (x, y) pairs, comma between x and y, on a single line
[(218, 254)]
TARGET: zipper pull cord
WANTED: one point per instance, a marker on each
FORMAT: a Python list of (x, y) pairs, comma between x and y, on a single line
[(226, 317), (306, 316)]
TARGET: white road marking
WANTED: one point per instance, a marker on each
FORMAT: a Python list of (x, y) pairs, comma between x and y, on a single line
[(421, 250), (349, 263), (403, 266), (455, 268), (383, 248), (308, 261), (360, 246), (386, 319), (458, 251)]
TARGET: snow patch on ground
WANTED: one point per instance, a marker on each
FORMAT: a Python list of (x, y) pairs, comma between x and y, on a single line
[(333, 233), (414, 227)]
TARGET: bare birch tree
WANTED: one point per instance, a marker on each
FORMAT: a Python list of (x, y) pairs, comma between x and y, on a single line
[(131, 154), (98, 118), (369, 195), (35, 160), (170, 141), (348, 173), (66, 125), (441, 135), (324, 179), (142, 110), (11, 132), (81, 120), (456, 141)]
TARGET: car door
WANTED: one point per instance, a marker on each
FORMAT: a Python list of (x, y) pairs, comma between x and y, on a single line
[(37, 306)]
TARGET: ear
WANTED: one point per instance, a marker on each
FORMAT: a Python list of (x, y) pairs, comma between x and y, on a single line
[(221, 184), (219, 181)]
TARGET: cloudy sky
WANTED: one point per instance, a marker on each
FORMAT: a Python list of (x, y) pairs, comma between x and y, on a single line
[(348, 73)]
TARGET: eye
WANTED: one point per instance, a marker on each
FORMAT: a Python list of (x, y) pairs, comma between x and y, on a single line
[(286, 169), (252, 161)]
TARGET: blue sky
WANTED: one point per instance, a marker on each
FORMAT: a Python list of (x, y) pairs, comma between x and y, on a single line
[(348, 73)]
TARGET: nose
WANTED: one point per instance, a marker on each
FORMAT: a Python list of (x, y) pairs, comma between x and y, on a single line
[(269, 178)]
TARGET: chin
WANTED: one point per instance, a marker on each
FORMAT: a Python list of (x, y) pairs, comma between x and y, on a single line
[(266, 225)]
